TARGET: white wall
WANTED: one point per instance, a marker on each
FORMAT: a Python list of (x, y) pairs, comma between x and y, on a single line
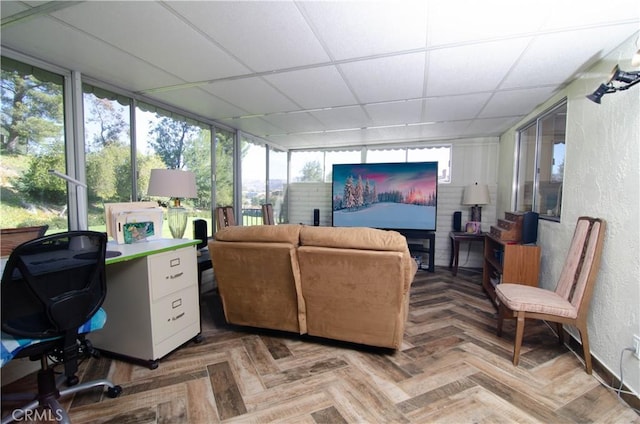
[(473, 160), (601, 179)]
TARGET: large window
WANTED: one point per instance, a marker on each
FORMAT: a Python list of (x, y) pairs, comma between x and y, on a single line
[(32, 141), (440, 154), (277, 184), (540, 166)]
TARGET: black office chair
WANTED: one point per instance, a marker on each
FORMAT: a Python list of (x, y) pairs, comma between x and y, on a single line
[(52, 289)]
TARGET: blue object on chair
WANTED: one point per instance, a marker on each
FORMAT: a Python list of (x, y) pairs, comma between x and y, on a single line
[(52, 290)]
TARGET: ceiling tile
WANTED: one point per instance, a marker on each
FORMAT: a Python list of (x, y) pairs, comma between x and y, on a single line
[(473, 68), (454, 108), (343, 117), (490, 126), (476, 21), (517, 102), (360, 29), (198, 101), (84, 53), (386, 79), (395, 112), (555, 58), (119, 23), (253, 95), (265, 36), (295, 122), (314, 88)]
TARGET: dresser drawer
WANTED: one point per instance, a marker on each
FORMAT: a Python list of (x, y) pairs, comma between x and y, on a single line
[(174, 313), (172, 271)]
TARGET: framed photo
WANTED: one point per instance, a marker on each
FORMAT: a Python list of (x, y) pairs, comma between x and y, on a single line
[(473, 227)]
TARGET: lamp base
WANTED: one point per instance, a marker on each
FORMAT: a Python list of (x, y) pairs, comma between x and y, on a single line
[(476, 213), (177, 217)]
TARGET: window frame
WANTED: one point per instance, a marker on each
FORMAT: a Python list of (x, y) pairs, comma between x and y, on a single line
[(520, 194)]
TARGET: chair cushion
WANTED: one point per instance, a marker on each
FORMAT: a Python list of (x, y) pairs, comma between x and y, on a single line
[(519, 297), (11, 346)]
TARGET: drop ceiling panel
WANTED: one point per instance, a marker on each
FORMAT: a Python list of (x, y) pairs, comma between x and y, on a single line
[(263, 35), (359, 29), (199, 102), (255, 126), (518, 102), (252, 95), (580, 14), (295, 122), (314, 88), (193, 57), (555, 58), (490, 126), (395, 112), (343, 117), (46, 39), (472, 68), (10, 8), (473, 21), (455, 108), (386, 79)]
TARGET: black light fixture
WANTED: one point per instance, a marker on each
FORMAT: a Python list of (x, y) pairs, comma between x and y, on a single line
[(628, 78)]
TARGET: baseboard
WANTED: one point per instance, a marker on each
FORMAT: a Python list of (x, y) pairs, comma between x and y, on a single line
[(630, 399)]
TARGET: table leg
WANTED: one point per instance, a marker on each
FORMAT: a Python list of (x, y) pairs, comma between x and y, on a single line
[(456, 251)]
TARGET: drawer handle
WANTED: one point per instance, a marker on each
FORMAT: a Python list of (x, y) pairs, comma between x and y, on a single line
[(177, 317), (174, 262), (176, 275), (176, 303)]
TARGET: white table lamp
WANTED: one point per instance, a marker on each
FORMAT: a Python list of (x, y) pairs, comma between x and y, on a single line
[(475, 196), (176, 185)]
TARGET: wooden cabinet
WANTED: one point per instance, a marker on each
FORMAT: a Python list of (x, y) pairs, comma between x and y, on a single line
[(509, 262), (152, 306)]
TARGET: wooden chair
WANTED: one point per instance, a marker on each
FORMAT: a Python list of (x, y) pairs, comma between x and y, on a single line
[(267, 214), (225, 217), (569, 303), (12, 237)]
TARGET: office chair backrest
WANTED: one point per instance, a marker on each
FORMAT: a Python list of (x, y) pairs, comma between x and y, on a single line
[(53, 284), (200, 232)]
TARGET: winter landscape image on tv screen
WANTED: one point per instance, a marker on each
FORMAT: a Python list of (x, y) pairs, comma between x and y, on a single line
[(385, 195)]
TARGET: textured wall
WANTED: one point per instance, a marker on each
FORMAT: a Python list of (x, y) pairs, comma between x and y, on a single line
[(602, 179)]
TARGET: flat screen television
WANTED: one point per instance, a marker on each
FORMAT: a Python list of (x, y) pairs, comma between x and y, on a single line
[(390, 196)]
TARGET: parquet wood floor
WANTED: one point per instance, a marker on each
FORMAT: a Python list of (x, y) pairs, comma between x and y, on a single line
[(451, 369)]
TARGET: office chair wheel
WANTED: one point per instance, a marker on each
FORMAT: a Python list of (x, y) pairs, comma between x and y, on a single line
[(72, 380), (114, 392)]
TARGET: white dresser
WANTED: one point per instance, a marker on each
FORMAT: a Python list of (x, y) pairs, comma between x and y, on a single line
[(152, 300)]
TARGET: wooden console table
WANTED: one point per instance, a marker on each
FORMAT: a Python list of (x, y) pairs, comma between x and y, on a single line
[(457, 237)]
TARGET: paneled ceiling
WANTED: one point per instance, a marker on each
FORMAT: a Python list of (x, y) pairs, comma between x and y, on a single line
[(304, 74)]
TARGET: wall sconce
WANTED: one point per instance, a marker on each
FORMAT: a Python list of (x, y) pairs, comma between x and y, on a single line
[(176, 185), (628, 78)]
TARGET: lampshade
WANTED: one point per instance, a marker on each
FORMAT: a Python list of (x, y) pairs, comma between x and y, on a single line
[(172, 183), (476, 194)]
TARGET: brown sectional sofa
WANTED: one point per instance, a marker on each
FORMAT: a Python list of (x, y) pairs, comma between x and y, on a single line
[(349, 284)]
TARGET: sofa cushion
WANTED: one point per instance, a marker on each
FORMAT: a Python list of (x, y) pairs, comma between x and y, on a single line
[(284, 233), (353, 238)]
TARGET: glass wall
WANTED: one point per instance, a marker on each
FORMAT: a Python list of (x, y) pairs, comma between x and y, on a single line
[(254, 180), (277, 184), (32, 141), (224, 169)]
